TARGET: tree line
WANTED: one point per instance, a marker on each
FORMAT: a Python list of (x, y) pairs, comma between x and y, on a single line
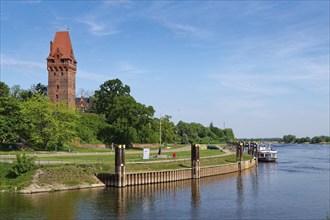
[(292, 139), (28, 117)]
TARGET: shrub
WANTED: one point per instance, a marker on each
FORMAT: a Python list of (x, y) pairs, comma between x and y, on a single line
[(22, 165)]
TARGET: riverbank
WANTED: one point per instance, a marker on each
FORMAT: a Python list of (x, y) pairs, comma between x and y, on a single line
[(69, 182), (47, 178), (58, 178)]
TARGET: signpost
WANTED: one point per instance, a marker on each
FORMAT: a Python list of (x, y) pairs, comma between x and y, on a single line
[(146, 153)]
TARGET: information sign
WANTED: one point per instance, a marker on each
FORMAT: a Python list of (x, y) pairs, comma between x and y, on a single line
[(146, 153)]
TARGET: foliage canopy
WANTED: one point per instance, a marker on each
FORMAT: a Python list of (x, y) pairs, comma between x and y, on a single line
[(28, 117)]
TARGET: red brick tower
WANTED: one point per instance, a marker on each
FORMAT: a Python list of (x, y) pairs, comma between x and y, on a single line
[(62, 67)]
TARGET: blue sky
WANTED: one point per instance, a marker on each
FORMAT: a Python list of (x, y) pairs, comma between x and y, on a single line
[(258, 67)]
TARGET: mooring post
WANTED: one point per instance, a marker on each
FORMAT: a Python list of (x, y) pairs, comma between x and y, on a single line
[(248, 145), (255, 152), (239, 151), (120, 166), (195, 162), (252, 149), (239, 154)]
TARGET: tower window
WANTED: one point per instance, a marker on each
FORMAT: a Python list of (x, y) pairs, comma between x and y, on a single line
[(62, 73), (57, 86), (56, 97), (54, 74)]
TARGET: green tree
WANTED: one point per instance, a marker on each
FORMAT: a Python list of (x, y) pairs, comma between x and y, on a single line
[(65, 121), (91, 128), (318, 139), (103, 99), (9, 116), (184, 132), (38, 123), (45, 124), (197, 133), (289, 139), (218, 134), (229, 134), (22, 165), (4, 89), (168, 130), (302, 140), (327, 139), (15, 91), (20, 94), (39, 88), (129, 120)]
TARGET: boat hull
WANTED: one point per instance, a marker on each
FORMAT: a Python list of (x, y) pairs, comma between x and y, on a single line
[(267, 159)]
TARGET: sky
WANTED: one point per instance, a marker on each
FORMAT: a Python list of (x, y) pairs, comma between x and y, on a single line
[(258, 67)]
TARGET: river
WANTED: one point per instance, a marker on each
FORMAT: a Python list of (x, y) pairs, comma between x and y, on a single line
[(295, 187)]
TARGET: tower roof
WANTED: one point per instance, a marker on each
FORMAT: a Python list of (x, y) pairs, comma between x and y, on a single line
[(62, 43)]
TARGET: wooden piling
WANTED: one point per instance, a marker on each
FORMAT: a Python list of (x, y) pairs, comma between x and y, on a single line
[(120, 179), (195, 161)]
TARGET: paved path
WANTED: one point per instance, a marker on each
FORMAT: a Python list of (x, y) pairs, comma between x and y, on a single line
[(64, 154)]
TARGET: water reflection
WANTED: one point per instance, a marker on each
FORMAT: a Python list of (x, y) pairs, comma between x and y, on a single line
[(195, 193), (240, 195), (56, 205), (151, 200), (195, 197), (9, 202)]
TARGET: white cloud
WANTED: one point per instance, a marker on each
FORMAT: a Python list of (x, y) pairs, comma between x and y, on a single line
[(32, 1), (182, 26), (91, 76), (255, 7), (7, 61), (97, 28), (185, 30), (132, 74), (105, 18), (129, 69)]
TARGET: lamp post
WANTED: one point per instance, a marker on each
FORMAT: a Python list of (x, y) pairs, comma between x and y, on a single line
[(160, 134)]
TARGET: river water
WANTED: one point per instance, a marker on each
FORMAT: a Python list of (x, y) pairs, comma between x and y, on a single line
[(296, 187)]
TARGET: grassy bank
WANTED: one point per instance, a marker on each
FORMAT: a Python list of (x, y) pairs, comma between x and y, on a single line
[(78, 174), (66, 175), (9, 182)]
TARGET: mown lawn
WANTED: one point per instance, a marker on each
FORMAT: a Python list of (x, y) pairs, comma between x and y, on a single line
[(129, 158)]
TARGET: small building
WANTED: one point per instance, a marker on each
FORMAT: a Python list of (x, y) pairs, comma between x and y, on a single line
[(83, 104)]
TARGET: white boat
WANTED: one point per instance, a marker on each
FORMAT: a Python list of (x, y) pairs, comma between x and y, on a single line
[(266, 153)]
